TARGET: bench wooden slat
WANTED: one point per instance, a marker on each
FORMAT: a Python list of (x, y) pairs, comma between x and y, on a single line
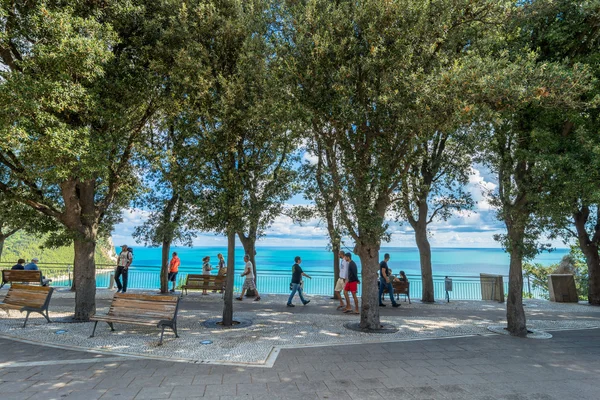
[(204, 282), (141, 309), (28, 298), (16, 275)]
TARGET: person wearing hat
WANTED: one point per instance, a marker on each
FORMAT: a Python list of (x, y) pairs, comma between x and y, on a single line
[(123, 263), (32, 266)]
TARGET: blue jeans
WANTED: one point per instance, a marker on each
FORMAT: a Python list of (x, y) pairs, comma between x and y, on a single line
[(382, 285), (296, 288)]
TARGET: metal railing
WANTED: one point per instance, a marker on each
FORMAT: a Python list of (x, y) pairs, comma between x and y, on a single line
[(275, 282)]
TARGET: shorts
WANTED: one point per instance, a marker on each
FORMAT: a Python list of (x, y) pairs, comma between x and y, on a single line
[(351, 287), (339, 285), (172, 276), (249, 284)]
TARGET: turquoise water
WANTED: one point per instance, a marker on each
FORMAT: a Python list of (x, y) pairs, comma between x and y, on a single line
[(446, 261), (274, 268)]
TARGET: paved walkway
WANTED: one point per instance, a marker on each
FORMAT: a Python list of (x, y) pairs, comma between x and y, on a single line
[(482, 368)]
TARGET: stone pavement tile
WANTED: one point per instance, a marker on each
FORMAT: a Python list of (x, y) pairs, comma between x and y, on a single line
[(140, 372), (281, 387), (93, 394), (323, 366), (420, 371), (465, 369), (300, 367), (370, 373), (533, 396), (312, 386), (146, 381), (472, 378), (394, 383), (416, 363), (372, 364), (440, 363), (243, 377), (333, 395), (292, 376), (349, 374), (424, 392), (197, 370), (16, 374), (188, 391), (366, 394), (252, 388), (340, 384), (485, 368), (42, 386), (367, 383), (11, 387), (395, 394), (397, 373), (453, 391), (114, 382), (220, 390), (265, 377), (20, 396), (442, 380), (208, 379), (121, 393), (443, 371), (154, 393)]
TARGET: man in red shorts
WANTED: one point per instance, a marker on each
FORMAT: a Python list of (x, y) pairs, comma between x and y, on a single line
[(351, 285)]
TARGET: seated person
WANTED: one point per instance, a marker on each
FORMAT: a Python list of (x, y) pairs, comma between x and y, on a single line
[(19, 264), (402, 277), (32, 266)]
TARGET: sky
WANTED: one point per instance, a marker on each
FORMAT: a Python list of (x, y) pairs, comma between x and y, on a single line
[(472, 229)]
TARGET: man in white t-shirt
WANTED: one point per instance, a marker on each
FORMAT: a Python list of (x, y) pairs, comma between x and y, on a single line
[(123, 263), (341, 282), (249, 281)]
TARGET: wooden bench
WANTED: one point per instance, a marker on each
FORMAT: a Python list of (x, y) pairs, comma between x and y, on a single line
[(28, 298), (19, 275), (400, 288), (204, 282), (141, 309)]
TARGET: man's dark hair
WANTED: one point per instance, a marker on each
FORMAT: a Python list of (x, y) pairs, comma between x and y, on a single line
[(349, 255), (297, 258), (386, 256)]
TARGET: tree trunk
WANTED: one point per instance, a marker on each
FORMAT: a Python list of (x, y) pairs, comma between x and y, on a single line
[(425, 256), (593, 263), (249, 244), (369, 314), (228, 298), (164, 269), (2, 239), (85, 278), (336, 265), (515, 314), (73, 286)]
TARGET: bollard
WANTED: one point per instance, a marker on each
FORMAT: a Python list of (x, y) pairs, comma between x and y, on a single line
[(111, 281)]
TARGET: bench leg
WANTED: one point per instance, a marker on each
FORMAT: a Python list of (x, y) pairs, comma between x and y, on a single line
[(26, 318), (162, 332), (94, 330), (175, 329), (112, 328), (47, 316), (408, 297)]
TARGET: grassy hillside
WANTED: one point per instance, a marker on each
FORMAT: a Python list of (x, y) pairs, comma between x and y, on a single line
[(23, 245)]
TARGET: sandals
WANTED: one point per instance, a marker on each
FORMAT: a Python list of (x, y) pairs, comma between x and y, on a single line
[(347, 311), (257, 299), (238, 298), (341, 308)]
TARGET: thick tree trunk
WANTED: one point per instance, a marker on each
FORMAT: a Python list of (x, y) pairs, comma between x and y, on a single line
[(85, 278), (73, 286), (369, 259), (228, 298), (2, 240), (425, 256), (593, 263), (164, 269), (249, 244), (515, 314)]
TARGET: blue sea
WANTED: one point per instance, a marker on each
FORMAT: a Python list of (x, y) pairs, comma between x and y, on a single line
[(273, 266), (446, 261)]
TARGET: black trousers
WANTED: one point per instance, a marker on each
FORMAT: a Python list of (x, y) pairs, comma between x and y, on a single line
[(121, 271)]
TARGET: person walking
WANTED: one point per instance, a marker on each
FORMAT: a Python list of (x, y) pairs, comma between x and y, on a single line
[(249, 283), (341, 282), (174, 269), (222, 265), (206, 268), (296, 286), (385, 281), (123, 263), (351, 285)]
